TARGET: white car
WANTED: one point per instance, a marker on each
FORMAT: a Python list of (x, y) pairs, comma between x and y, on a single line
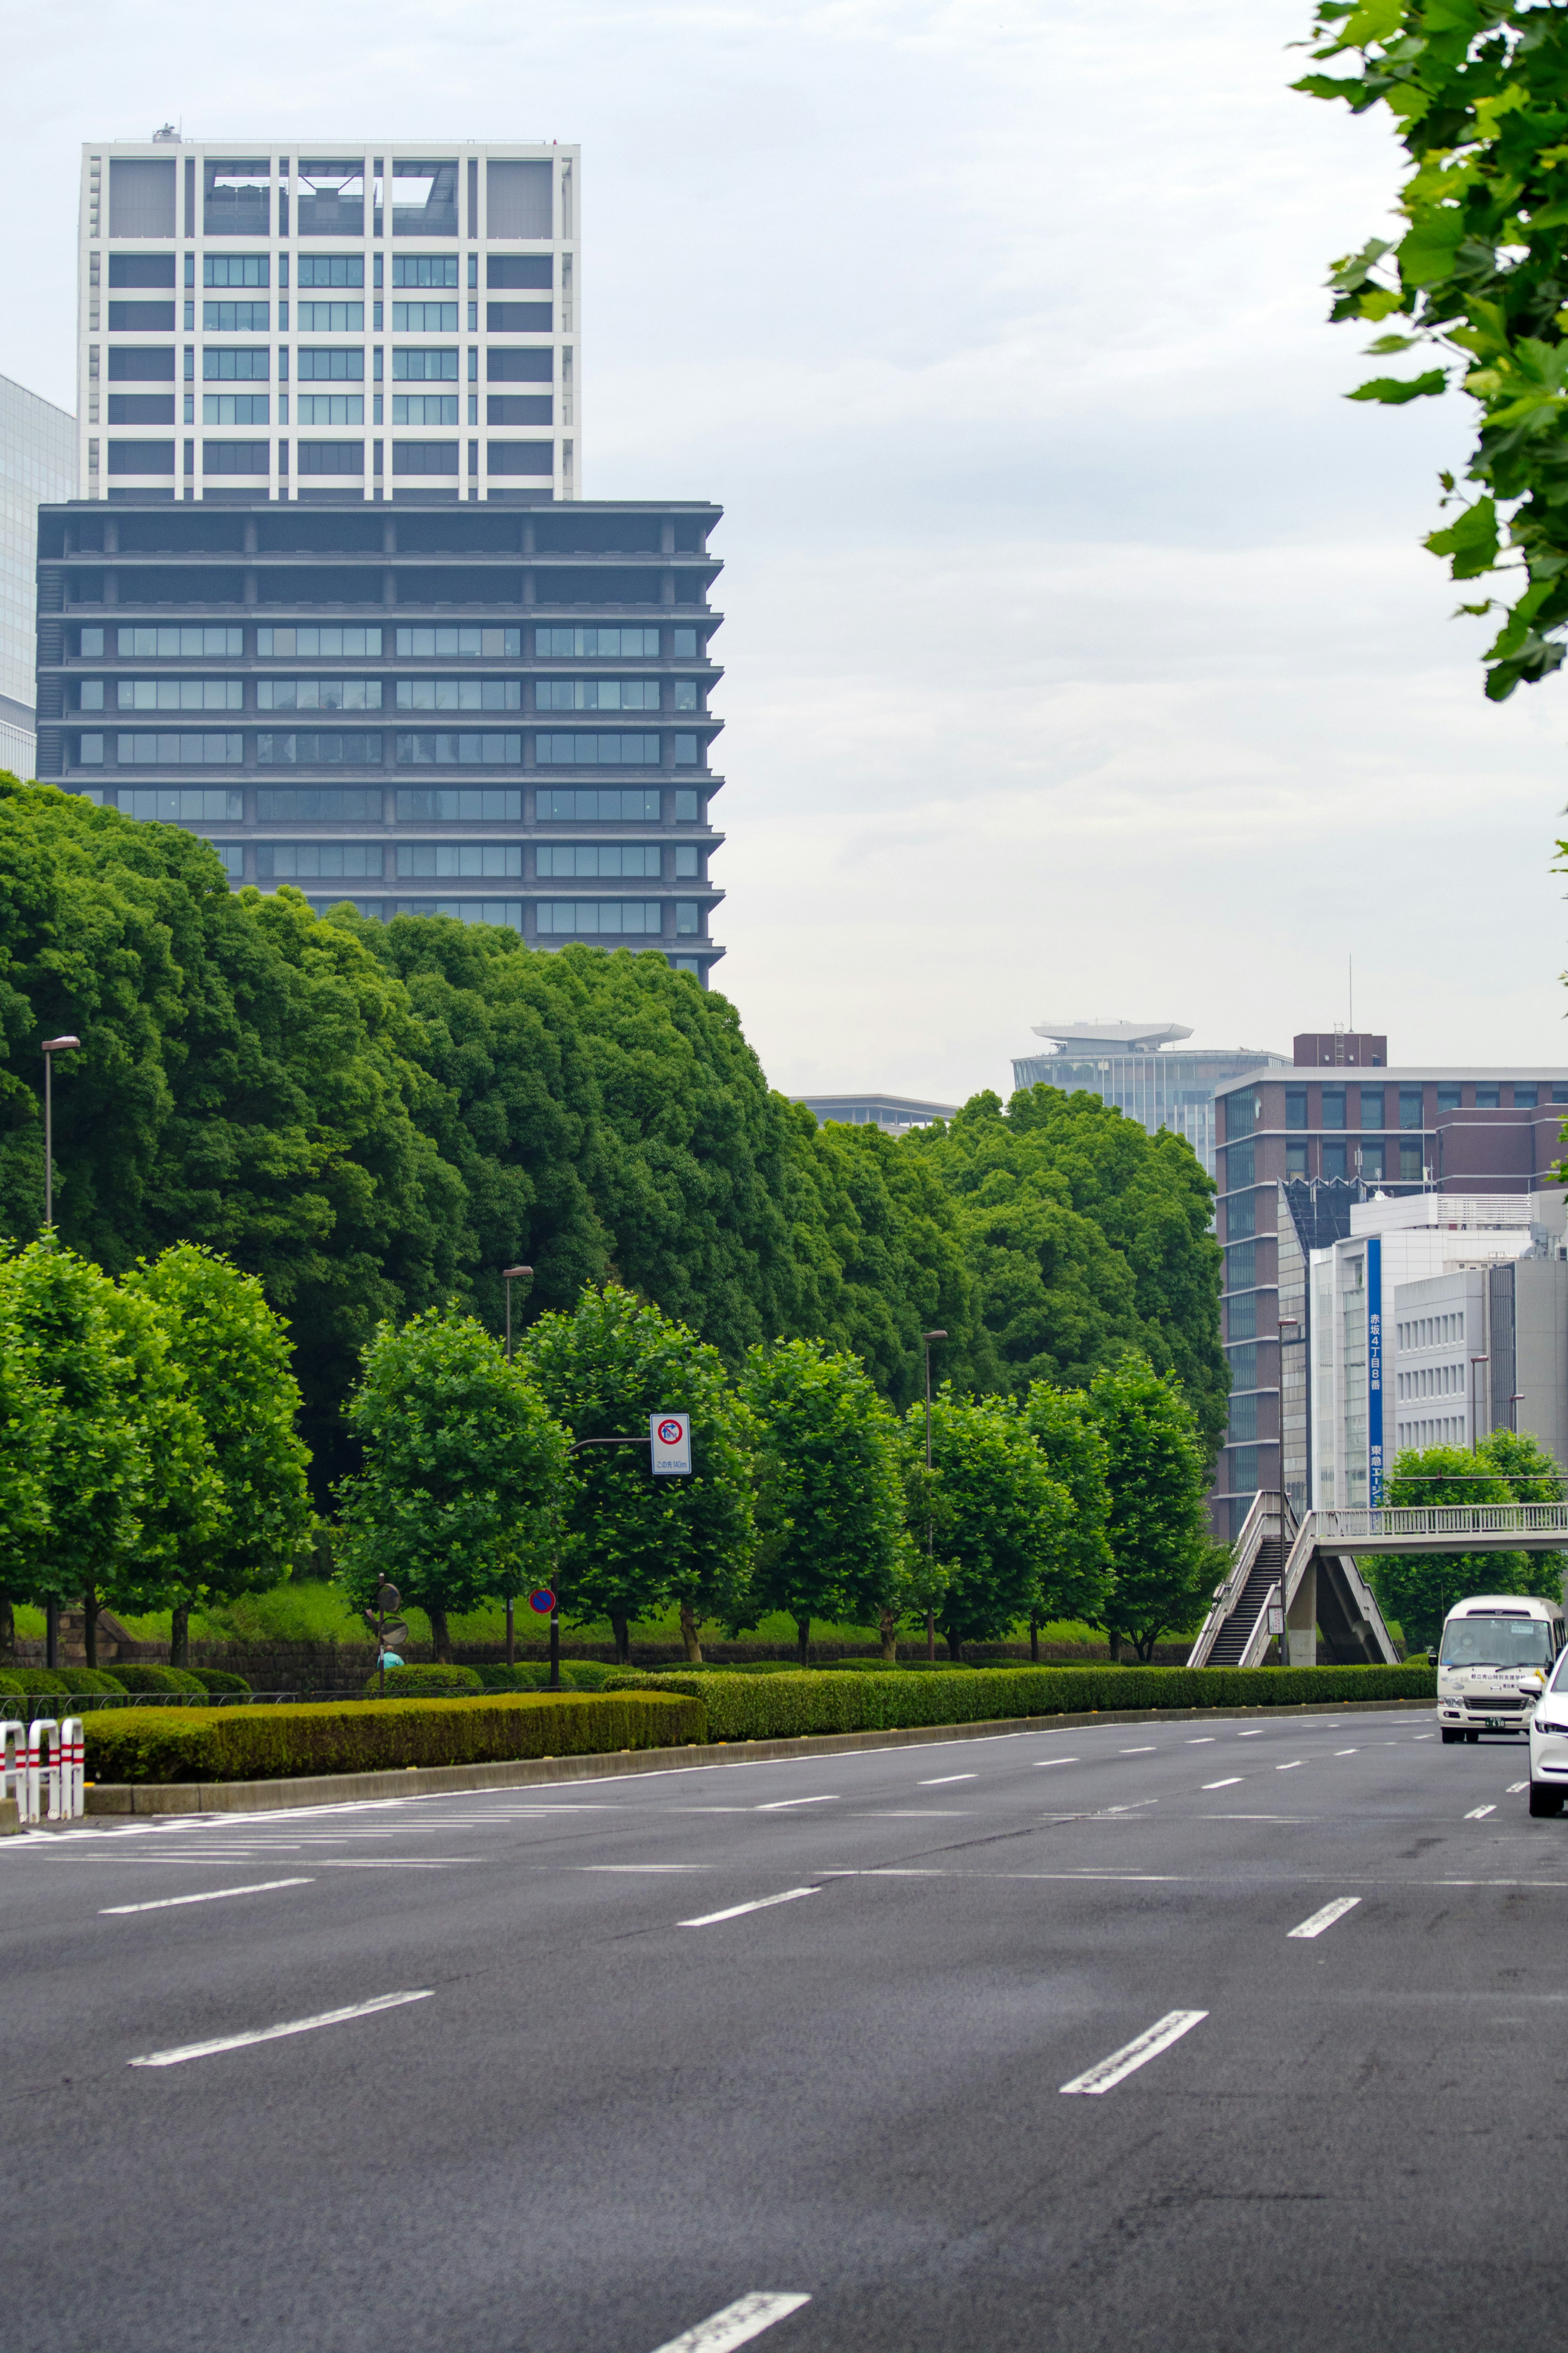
[(1548, 1739)]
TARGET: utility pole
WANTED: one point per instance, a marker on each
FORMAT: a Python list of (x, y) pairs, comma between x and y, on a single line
[(927, 1338)]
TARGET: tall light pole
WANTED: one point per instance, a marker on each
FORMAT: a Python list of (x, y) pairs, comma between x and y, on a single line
[(510, 1274), (926, 1339), (52, 1045)]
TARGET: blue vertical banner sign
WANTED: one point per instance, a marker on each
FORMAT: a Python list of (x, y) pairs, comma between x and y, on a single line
[(1374, 1370)]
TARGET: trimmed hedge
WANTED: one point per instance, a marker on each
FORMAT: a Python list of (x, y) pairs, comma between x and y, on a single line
[(764, 1707), (146, 1678), (263, 1744), (219, 1679), (423, 1683), (41, 1688), (577, 1674)]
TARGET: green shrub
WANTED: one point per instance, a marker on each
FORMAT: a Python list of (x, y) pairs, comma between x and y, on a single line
[(134, 1678), (245, 1744), (577, 1674), (424, 1682), (751, 1707), (219, 1679), (31, 1684)]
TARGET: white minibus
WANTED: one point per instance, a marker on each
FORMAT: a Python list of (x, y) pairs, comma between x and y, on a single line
[(1489, 1646)]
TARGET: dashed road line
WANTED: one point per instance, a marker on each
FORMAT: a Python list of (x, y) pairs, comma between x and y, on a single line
[(1108, 2071), (736, 2324), (942, 1779), (780, 1805), (734, 1911), (1233, 1781), (1316, 1922), (1479, 1813), (273, 2033), (209, 1895)]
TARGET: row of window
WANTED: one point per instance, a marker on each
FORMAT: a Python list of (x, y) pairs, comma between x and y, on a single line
[(365, 805), (443, 458), (1432, 1332), (329, 199), (1374, 1110), (332, 318), (329, 408), (322, 862), (352, 748), (1444, 1430), (330, 640), (1432, 1381), (577, 919), (502, 270), (367, 695), (340, 362)]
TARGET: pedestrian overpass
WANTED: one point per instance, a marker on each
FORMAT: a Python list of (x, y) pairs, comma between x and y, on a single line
[(1301, 1575)]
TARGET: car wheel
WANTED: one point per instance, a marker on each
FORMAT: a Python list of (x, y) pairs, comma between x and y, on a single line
[(1449, 1737), (1543, 1800)]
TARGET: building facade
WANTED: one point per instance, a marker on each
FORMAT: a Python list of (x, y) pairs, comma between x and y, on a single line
[(38, 466), (894, 1113), (358, 321), (1299, 1150), (300, 685), (1136, 1068)]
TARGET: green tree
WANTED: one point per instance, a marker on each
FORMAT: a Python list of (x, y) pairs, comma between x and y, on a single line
[(635, 1543), (1157, 1472), (464, 1468), (1004, 1515), (830, 1519), (26, 1441), (235, 1356), (1420, 1588), (1076, 1581), (1477, 92)]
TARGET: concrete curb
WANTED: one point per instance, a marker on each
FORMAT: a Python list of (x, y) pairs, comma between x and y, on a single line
[(10, 1817), (435, 1780)]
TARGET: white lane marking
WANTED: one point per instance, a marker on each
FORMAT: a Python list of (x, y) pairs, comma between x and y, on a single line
[(1134, 1807), (734, 1911), (908, 1814), (1290, 1767), (1479, 1813), (1042, 1762), (942, 1779), (272, 2034), (1231, 1783), (211, 1896), (645, 1866), (736, 2324), (1515, 1786), (1424, 1735), (1347, 1752), (1257, 1734), (1316, 1922), (1204, 1740), (1148, 2045), (777, 1804), (1146, 1751)]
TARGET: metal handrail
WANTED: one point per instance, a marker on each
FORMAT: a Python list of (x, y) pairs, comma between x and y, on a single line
[(1269, 1503), (1363, 1524)]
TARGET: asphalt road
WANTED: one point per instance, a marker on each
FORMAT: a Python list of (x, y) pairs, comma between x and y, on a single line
[(626, 2101)]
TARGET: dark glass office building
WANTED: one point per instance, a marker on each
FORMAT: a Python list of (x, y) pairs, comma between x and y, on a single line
[(492, 712)]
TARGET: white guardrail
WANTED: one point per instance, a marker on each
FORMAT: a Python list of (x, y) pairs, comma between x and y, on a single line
[(42, 1766), (1365, 1525)]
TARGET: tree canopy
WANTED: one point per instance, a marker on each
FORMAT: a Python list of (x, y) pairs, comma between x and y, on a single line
[(1420, 1588), (1478, 94)]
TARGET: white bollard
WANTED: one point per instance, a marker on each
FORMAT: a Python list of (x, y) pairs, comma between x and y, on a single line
[(36, 1770), (73, 1759), (13, 1765)]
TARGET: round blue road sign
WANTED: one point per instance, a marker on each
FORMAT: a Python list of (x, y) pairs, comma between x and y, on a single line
[(543, 1601)]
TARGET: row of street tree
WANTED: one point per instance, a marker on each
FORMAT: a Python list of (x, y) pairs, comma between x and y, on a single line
[(808, 1494)]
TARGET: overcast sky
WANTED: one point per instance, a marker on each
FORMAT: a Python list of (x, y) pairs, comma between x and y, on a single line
[(1082, 657)]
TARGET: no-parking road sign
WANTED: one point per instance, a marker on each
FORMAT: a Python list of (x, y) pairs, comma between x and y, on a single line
[(669, 1444)]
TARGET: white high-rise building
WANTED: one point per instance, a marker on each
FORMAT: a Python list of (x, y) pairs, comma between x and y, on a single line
[(38, 466), (357, 320)]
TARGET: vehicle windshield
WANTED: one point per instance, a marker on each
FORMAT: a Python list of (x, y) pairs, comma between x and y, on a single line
[(1496, 1642)]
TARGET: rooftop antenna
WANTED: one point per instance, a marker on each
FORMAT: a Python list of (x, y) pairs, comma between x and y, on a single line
[(1349, 992)]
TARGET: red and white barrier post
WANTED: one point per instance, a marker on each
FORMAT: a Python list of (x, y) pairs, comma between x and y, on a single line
[(73, 1759), (13, 1765), (44, 1731)]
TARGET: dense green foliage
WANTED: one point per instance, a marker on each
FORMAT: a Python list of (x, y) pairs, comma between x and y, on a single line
[(1420, 1588), (1000, 1515), (373, 1119), (1075, 1577), (1478, 92), (1085, 1236), (1157, 1473), (242, 1743), (424, 1683)]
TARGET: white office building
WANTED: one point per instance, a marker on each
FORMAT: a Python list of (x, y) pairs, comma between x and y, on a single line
[(360, 320), (38, 466), (1438, 1319)]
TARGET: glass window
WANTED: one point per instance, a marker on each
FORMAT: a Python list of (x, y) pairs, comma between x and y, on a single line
[(424, 458), (688, 918), (318, 644), (180, 751), (332, 408), (1372, 1107), (236, 270), (316, 862), (1559, 1094), (235, 457), (425, 270), (232, 854), (424, 198), (183, 804), (332, 204), (1334, 1160), (1410, 1107), (1295, 1106), (236, 318), (590, 915), (347, 748), (333, 365), (90, 694), (618, 643), (302, 807), (687, 861), (140, 270), (686, 694), (466, 640), (89, 642), (251, 364), (1240, 1165), (474, 803), (237, 198), (1244, 1366), (602, 802), (617, 858), (1526, 1098), (1239, 1117), (686, 751), (1372, 1160), (1243, 1421), (457, 750), (459, 694), (140, 318), (686, 807), (683, 642), (1488, 1098), (331, 319), (597, 751), (179, 694), (424, 408), (596, 694), (519, 318), (1240, 1216), (89, 751), (318, 694), (182, 638), (1241, 1316), (459, 859), (1449, 1098), (1295, 1160), (503, 271), (424, 319), (236, 408), (504, 911), (1333, 1107), (1410, 1164), (427, 366)]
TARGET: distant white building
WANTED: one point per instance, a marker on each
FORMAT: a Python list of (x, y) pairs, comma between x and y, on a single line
[(1438, 1319), (38, 466), (1132, 1066), (894, 1113)]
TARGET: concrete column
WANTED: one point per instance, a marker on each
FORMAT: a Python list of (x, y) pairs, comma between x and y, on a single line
[(1302, 1620)]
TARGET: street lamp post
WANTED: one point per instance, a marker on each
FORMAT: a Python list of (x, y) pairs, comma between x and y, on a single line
[(1294, 1322), (926, 1339), (510, 1274), (52, 1045)]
